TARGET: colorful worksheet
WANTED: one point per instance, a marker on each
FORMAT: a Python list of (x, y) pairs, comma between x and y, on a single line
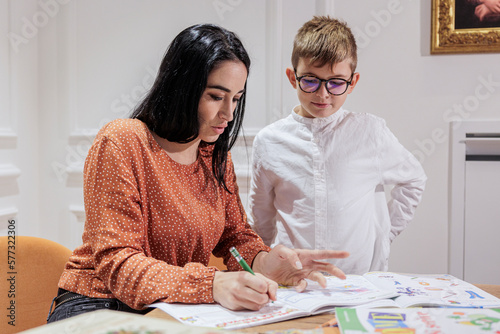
[(418, 320), (355, 290), (118, 322), (371, 290), (432, 290)]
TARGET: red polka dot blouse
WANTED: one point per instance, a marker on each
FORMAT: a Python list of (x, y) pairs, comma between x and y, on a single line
[(152, 223)]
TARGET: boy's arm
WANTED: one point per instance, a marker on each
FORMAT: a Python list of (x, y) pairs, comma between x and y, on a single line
[(401, 169), (405, 197), (262, 216)]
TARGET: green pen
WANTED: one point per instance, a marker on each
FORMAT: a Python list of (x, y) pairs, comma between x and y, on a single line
[(240, 260)]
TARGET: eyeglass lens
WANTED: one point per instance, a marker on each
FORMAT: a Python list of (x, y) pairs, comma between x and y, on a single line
[(312, 84)]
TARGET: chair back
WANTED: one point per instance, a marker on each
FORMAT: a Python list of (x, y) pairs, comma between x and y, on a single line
[(31, 269), (217, 262)]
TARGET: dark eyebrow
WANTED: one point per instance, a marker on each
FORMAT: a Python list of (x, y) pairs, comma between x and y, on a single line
[(224, 88)]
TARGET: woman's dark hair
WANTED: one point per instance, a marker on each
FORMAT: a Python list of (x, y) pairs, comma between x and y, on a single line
[(170, 109)]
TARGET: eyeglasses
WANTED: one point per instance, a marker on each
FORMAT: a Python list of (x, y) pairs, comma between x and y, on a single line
[(335, 86)]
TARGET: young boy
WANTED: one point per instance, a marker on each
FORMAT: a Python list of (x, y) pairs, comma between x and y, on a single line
[(318, 175)]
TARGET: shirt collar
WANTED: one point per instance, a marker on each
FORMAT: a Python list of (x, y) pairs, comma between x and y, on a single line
[(319, 122)]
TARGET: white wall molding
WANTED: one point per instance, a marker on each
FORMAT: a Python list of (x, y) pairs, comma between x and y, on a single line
[(70, 40), (9, 172), (6, 117), (5, 215), (274, 47), (76, 227), (74, 176), (79, 212), (78, 136), (325, 7), (250, 131), (243, 175), (8, 180), (8, 139)]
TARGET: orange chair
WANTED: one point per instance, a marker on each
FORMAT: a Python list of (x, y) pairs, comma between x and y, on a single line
[(217, 262), (31, 268)]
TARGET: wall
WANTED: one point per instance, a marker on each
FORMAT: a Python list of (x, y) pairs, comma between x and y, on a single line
[(75, 65), (418, 94)]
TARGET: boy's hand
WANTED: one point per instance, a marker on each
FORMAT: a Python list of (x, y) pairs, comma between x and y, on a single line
[(291, 266), (241, 290)]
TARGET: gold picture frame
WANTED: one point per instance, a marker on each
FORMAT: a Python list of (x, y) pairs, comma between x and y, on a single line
[(458, 27)]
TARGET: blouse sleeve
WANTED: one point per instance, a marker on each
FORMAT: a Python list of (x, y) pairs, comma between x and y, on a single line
[(116, 231)]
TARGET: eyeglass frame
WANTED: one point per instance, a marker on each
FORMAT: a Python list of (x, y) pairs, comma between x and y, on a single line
[(348, 83)]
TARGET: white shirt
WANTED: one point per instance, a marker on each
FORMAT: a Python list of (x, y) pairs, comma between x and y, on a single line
[(318, 183)]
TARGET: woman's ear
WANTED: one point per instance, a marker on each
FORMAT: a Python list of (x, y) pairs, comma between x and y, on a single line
[(290, 73)]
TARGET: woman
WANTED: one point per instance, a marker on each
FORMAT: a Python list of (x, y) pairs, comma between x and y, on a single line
[(161, 196)]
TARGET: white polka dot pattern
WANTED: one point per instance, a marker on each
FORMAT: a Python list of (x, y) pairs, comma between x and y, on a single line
[(151, 223)]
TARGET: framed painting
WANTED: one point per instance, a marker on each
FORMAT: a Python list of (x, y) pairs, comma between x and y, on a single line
[(465, 26)]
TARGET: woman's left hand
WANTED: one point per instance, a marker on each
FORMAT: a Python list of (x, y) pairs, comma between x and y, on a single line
[(292, 266)]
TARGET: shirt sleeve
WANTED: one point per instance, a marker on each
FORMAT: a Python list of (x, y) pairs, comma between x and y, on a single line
[(237, 231), (116, 230), (261, 196), (400, 168)]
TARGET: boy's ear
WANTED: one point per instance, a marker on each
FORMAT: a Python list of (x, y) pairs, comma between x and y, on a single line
[(290, 73), (355, 79)]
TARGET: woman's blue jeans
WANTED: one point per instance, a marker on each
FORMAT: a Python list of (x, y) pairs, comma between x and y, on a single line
[(85, 304)]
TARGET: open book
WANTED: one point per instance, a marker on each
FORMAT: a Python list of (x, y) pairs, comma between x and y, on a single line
[(418, 320), (429, 291), (355, 290), (375, 289)]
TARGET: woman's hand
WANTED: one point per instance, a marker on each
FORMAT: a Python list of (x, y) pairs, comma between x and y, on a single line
[(241, 290), (291, 266)]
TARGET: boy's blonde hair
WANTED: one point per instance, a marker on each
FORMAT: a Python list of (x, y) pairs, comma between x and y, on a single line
[(325, 40)]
